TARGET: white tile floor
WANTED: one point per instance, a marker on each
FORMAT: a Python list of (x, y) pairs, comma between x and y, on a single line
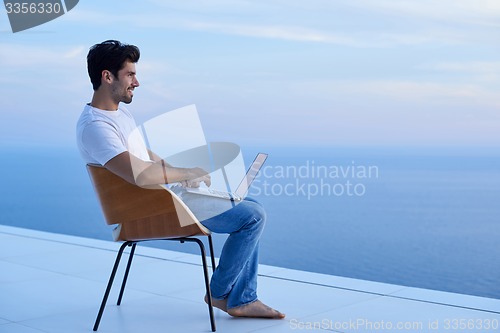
[(54, 283)]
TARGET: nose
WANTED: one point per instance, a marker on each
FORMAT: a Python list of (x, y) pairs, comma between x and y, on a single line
[(136, 82)]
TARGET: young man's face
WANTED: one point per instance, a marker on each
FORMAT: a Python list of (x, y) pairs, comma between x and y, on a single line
[(123, 86)]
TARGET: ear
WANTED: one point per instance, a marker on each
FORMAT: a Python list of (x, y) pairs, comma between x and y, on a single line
[(106, 76)]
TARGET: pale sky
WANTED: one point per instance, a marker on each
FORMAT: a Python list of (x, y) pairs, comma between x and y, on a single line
[(315, 72)]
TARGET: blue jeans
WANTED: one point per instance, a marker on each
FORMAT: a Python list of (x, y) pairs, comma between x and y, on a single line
[(235, 278)]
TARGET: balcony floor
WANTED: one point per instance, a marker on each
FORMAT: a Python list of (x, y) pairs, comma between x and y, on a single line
[(54, 283)]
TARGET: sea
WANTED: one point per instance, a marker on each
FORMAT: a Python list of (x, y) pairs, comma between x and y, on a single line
[(413, 216)]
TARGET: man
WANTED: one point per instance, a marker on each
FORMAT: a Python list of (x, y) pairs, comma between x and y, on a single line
[(103, 137)]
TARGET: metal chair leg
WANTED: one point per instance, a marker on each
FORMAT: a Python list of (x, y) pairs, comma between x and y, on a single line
[(207, 281), (110, 284), (127, 270), (125, 276), (211, 248)]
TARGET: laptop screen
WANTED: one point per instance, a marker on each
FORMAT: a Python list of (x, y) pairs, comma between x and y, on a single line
[(252, 172)]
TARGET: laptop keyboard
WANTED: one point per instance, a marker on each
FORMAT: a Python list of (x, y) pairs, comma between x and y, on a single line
[(219, 193)]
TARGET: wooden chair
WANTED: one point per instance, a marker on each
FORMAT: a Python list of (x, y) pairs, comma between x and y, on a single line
[(145, 214)]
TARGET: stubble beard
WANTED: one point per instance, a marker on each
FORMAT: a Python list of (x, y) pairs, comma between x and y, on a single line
[(122, 97)]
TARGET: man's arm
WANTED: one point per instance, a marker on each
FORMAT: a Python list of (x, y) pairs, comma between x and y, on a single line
[(141, 173), (153, 156)]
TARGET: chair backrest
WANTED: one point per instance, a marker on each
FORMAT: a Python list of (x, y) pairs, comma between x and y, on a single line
[(142, 213)]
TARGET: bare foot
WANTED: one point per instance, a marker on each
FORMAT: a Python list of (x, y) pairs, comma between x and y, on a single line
[(218, 303), (256, 309)]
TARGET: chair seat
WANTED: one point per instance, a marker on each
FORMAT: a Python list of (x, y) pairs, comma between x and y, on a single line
[(153, 227)]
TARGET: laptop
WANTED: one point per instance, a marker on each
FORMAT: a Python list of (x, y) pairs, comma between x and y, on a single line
[(242, 189)]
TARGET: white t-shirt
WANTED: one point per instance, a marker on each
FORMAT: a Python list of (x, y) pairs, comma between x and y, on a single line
[(102, 135)]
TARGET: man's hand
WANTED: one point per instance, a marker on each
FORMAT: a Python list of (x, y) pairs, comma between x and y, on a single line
[(196, 177)]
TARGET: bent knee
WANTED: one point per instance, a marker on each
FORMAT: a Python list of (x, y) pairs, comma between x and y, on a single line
[(257, 208), (254, 212)]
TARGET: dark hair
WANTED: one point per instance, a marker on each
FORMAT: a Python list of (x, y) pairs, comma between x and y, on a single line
[(110, 55)]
